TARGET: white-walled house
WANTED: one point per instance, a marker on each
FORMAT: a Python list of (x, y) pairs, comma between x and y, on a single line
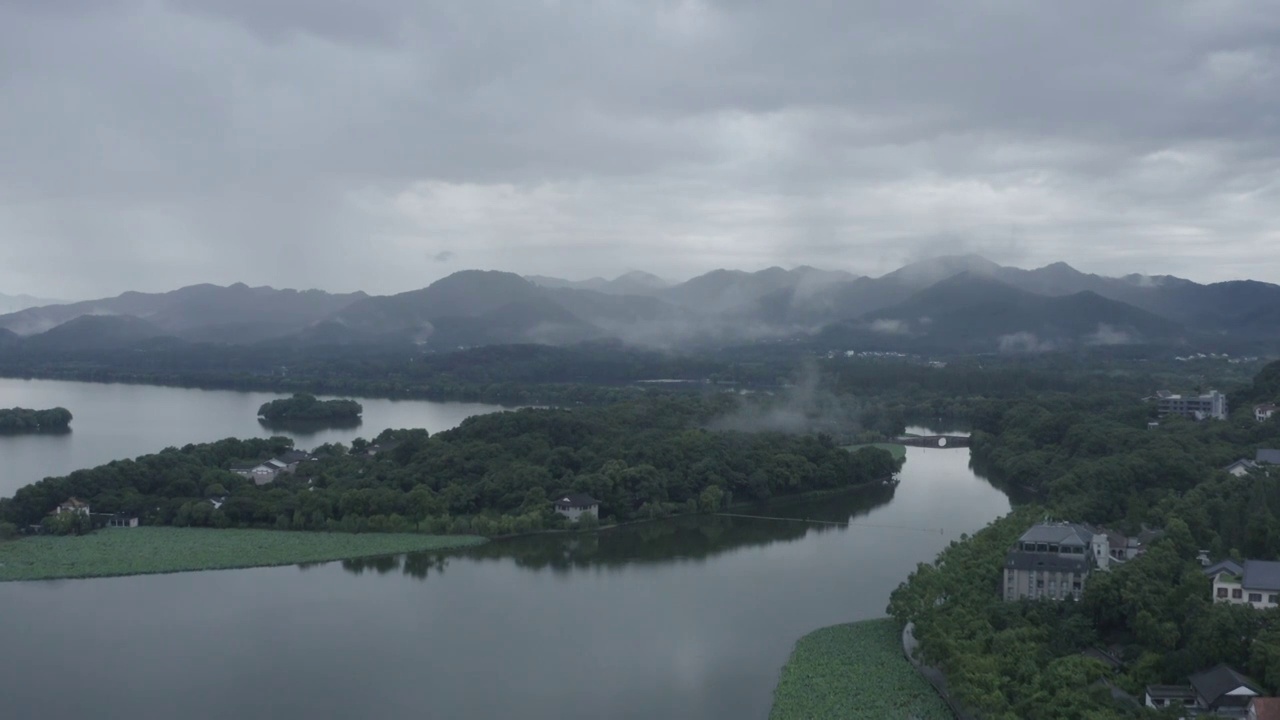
[(1263, 413), (1256, 583), (575, 505), (73, 505)]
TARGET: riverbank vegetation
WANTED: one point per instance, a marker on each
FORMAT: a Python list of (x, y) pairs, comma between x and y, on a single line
[(305, 407), (145, 550), (1094, 459), (854, 671), (492, 475), (19, 420)]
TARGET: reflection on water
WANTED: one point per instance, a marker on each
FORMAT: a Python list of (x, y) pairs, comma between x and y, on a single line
[(1018, 495), (310, 428), (38, 431), (690, 617), (693, 537)]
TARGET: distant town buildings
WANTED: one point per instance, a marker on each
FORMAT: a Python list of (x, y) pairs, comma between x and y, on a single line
[(1263, 413), (1212, 405)]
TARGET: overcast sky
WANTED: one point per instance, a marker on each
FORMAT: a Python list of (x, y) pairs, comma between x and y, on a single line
[(382, 144)]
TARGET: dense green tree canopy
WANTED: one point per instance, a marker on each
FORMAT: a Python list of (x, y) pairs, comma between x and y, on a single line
[(494, 474), (26, 420), (304, 406)]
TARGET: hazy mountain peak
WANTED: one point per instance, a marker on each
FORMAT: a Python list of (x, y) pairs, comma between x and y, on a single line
[(928, 272)]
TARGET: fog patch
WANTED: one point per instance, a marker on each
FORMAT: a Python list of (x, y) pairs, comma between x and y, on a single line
[(890, 327), (1108, 335), (1024, 342), (803, 408)]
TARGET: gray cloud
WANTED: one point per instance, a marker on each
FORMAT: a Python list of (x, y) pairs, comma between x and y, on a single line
[(444, 256), (149, 144)]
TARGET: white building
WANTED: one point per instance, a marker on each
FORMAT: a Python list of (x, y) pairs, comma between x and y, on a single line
[(1196, 407), (1256, 583), (575, 505), (1263, 413), (73, 505)]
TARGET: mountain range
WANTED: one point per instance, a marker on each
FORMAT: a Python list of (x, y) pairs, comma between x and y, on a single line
[(14, 303), (957, 303)]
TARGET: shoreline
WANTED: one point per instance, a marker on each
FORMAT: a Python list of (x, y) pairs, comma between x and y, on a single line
[(162, 550)]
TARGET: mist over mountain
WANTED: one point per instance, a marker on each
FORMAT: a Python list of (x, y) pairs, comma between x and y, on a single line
[(957, 303), (233, 314), (973, 313), (96, 332), (635, 282), (14, 303)]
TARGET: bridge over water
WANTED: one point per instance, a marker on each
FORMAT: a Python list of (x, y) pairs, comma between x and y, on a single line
[(936, 441)]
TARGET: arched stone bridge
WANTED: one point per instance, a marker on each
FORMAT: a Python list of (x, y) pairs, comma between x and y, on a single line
[(937, 441)]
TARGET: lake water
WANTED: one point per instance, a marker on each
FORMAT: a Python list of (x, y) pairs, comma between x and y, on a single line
[(113, 421), (688, 618)]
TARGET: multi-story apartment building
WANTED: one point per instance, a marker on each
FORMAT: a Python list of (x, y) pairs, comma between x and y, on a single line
[(1197, 407), (1256, 583)]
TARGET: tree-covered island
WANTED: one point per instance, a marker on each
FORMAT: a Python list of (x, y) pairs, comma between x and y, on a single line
[(304, 407), (18, 420), (493, 475)]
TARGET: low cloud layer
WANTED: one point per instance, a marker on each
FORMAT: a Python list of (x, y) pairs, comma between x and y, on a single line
[(1024, 342), (153, 143), (1108, 335)]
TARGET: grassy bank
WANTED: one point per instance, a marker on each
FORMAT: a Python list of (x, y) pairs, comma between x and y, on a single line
[(138, 551), (898, 451), (854, 671)]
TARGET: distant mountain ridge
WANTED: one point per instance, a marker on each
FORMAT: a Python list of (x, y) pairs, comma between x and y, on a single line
[(236, 313), (14, 303), (957, 302)]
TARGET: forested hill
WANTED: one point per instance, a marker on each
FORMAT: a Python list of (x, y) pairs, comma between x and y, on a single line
[(491, 475), (1092, 458)]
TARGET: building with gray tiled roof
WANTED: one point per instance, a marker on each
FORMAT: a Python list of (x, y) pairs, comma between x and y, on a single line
[(1256, 583)]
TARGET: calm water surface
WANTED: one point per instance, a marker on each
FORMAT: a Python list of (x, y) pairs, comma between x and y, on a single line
[(114, 421), (690, 618)]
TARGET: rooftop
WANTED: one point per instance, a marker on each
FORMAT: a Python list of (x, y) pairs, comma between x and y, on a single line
[(575, 500), (1261, 575), (1216, 682), (1171, 692), (1242, 462), (1230, 566), (1266, 708), (1271, 457), (1058, 533)]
